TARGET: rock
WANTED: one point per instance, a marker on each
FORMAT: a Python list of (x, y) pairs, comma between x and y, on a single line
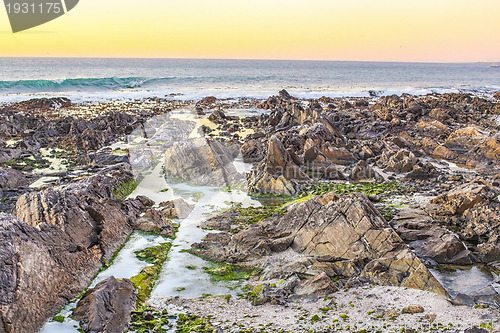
[(177, 208), (320, 285), (337, 155), (218, 117), (392, 314), (430, 242), (363, 172), (208, 100), (44, 103), (107, 307), (475, 330), (202, 162), (332, 173), (156, 222), (284, 94), (275, 174), (412, 309), (66, 236), (347, 232), (253, 151), (12, 179), (463, 299), (401, 162)]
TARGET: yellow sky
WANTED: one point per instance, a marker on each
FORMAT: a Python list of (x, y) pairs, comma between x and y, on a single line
[(378, 30)]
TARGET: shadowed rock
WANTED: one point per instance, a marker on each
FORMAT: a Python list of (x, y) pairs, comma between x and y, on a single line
[(107, 307)]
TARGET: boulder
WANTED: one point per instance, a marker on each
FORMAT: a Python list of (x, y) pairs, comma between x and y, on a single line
[(202, 162), (177, 208), (218, 117), (156, 222), (430, 242), (107, 307)]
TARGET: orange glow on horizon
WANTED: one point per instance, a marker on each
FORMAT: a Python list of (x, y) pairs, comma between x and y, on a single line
[(363, 30)]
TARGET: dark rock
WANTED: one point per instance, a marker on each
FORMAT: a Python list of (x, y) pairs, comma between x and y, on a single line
[(107, 307), (218, 117), (284, 94)]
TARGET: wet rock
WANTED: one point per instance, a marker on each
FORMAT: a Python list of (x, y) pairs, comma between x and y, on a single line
[(218, 117), (463, 299), (43, 103), (177, 208), (284, 94), (107, 307)]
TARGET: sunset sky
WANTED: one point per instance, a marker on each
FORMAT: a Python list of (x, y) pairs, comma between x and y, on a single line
[(377, 30)]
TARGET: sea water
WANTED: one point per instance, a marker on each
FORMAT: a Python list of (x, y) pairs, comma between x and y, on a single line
[(91, 79)]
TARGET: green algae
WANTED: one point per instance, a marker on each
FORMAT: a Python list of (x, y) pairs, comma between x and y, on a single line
[(125, 188), (146, 279), (228, 272), (190, 323)]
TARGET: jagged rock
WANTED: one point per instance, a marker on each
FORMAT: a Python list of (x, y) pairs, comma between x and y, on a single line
[(337, 155), (474, 207), (177, 208), (107, 307), (401, 162), (66, 236), (11, 179), (363, 172), (253, 151), (347, 232), (275, 174), (202, 162), (284, 94), (430, 242)]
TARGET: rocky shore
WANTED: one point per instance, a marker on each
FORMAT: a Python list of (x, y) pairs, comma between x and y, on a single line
[(368, 206)]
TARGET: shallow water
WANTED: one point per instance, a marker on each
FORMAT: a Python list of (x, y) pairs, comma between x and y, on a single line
[(176, 279), (463, 281)]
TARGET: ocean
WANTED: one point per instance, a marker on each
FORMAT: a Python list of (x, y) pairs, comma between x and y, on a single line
[(94, 79)]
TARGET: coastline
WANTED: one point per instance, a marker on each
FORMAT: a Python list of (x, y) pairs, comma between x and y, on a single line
[(110, 135)]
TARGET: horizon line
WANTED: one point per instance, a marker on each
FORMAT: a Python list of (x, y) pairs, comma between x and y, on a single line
[(247, 59)]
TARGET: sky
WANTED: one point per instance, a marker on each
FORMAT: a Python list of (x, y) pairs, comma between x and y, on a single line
[(355, 30)]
